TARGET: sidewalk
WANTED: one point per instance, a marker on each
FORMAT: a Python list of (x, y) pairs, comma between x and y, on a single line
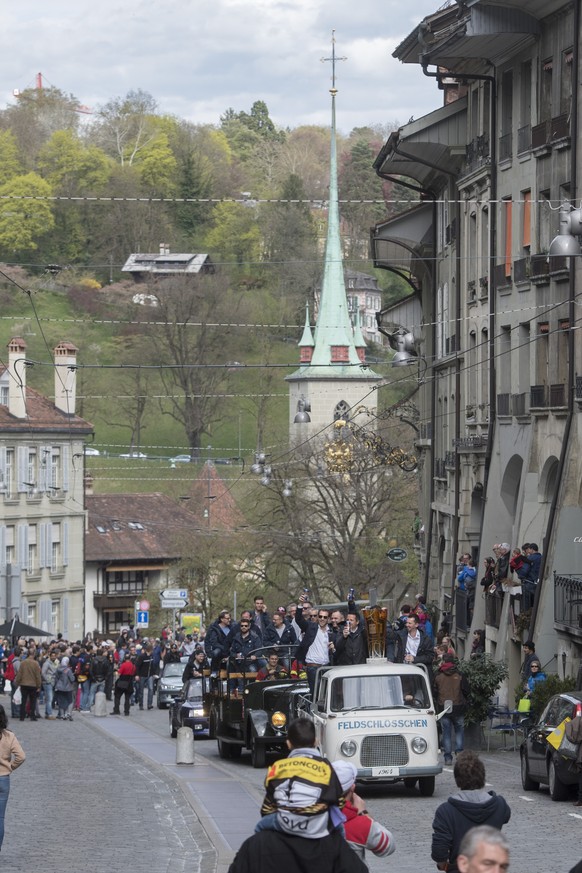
[(105, 794)]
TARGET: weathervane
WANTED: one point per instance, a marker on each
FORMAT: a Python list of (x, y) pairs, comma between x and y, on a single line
[(333, 60)]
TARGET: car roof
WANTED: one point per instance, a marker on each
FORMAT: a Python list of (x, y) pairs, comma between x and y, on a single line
[(380, 669), (574, 696)]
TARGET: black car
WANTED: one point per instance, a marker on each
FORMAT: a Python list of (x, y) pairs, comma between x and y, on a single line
[(191, 709), (540, 762)]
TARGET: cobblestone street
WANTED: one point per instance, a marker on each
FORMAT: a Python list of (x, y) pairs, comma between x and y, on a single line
[(81, 802)]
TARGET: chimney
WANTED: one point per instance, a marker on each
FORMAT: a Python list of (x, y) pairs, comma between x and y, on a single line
[(88, 485), (17, 377), (66, 377), (164, 249)]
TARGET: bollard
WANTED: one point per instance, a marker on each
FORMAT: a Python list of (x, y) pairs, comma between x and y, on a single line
[(185, 746), (100, 708)]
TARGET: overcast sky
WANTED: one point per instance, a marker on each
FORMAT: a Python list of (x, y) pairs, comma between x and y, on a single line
[(199, 57)]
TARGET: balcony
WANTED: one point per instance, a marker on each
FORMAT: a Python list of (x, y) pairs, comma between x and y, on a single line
[(560, 131), (505, 147), (440, 471), (472, 291), (557, 395), (461, 611), (450, 460), (521, 271), (484, 288), (470, 443), (477, 154), (519, 404), (493, 610), (504, 404), (579, 389), (540, 140), (524, 139), (537, 397), (425, 431), (502, 280), (568, 602)]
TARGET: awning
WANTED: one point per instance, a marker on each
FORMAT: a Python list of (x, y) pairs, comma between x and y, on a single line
[(404, 244)]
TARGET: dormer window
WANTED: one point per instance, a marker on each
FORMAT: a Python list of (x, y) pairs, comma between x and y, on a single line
[(4, 395)]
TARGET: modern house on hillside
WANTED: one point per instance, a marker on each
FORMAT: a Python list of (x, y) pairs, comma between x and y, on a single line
[(42, 516), (496, 169), (165, 263)]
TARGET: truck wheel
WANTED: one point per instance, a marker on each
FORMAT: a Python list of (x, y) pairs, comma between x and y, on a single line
[(224, 749), (235, 750), (426, 786), (410, 783), (258, 755), (212, 725)]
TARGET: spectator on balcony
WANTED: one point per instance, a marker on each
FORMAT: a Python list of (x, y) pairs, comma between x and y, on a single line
[(534, 559), (487, 579), (478, 645), (501, 568)]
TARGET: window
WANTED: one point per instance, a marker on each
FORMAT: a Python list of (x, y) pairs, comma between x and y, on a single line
[(55, 606), (525, 95), (545, 220), (55, 553), (526, 220), (31, 613), (442, 319), (546, 90), (505, 145), (507, 219), (31, 476), (4, 395), (566, 82), (55, 480), (10, 554)]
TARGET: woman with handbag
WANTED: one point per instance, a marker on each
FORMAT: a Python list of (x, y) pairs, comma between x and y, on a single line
[(11, 756), (124, 686)]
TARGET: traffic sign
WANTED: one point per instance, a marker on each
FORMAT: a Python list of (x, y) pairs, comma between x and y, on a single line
[(143, 618), (397, 555), (174, 594), (144, 605), (174, 603)]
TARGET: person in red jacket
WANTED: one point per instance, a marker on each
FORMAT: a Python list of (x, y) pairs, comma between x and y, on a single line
[(124, 686), (361, 830)]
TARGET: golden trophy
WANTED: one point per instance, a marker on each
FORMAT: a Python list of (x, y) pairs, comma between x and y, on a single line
[(376, 618)]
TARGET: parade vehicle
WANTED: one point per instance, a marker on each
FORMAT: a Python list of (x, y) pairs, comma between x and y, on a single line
[(382, 718), (192, 707), (251, 714)]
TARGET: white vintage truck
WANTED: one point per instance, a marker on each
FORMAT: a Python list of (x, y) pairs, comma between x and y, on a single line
[(380, 716)]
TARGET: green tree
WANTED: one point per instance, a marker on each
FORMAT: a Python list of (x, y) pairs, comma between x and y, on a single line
[(236, 235), (358, 181), (10, 164), (23, 220), (157, 166), (71, 167), (260, 121)]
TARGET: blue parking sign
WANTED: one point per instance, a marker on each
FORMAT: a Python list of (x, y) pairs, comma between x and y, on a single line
[(143, 619)]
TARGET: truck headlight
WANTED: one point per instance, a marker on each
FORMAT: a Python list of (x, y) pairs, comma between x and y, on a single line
[(349, 748), (278, 720), (197, 712), (419, 745)]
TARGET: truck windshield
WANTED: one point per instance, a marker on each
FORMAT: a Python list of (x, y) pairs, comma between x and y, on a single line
[(378, 692)]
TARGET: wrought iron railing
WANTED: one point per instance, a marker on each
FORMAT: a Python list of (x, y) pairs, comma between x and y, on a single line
[(519, 404), (440, 471), (537, 397), (568, 600), (470, 442), (557, 395), (505, 146), (503, 404), (450, 460), (524, 139), (493, 609)]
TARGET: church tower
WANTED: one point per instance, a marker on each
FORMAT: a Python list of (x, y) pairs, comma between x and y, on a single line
[(332, 380)]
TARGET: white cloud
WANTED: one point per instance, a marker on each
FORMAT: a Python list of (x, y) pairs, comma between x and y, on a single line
[(198, 57)]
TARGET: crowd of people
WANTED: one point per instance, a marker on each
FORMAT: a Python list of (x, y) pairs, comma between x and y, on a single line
[(514, 571)]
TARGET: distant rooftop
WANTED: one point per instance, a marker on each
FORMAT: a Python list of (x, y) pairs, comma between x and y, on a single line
[(165, 263)]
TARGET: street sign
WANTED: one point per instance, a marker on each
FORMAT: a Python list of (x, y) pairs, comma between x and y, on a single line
[(397, 555), (174, 594), (143, 618), (144, 605), (174, 603)]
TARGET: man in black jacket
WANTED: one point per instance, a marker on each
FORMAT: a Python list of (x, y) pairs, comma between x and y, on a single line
[(272, 850), (351, 645), (145, 672), (413, 646), (471, 806), (216, 640)]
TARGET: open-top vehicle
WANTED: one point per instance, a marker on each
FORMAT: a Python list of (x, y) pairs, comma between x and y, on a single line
[(247, 713)]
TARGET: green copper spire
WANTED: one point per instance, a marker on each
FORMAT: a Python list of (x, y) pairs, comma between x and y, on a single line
[(307, 337), (333, 330)]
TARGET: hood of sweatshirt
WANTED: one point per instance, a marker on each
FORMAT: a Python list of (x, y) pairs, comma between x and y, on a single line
[(476, 805)]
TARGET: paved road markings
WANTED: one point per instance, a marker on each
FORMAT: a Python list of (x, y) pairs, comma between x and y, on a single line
[(527, 799)]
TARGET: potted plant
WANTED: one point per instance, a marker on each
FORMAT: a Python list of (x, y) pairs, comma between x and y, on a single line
[(484, 676)]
